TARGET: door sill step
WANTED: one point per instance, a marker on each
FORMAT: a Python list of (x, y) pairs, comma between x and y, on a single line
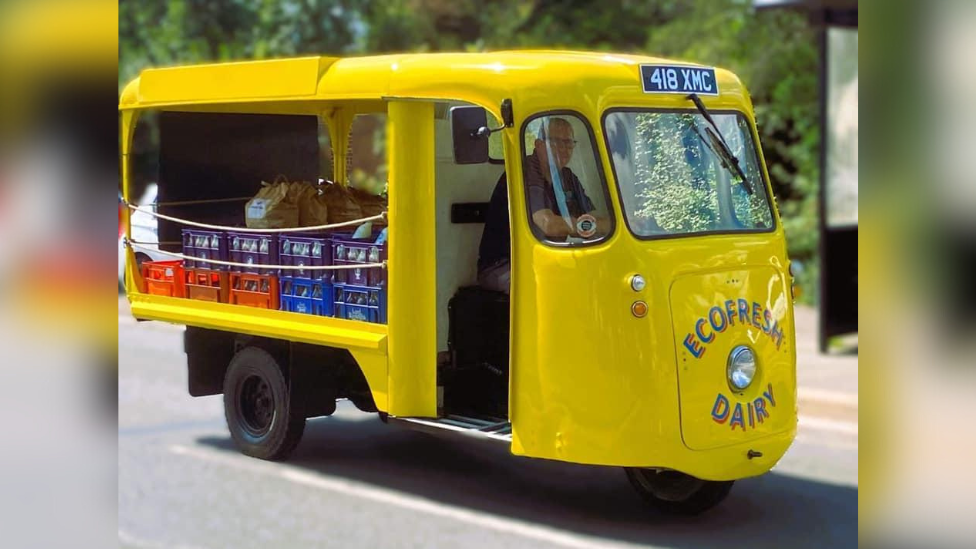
[(475, 427)]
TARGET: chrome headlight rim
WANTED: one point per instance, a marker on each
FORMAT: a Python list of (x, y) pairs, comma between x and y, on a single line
[(637, 283), (738, 363)]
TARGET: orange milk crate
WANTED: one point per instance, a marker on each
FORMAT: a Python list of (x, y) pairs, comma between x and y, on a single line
[(254, 290), (163, 278), (206, 284)]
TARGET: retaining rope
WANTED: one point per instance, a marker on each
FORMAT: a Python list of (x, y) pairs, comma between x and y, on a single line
[(259, 266), (377, 217), (203, 201)]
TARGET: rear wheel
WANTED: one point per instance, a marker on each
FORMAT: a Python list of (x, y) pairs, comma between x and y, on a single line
[(677, 493), (258, 406), (140, 259)]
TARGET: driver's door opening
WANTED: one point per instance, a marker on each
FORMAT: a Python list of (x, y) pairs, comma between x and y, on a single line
[(568, 207), (472, 321)]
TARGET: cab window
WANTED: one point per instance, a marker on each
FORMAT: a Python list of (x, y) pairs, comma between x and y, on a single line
[(673, 179), (567, 197)]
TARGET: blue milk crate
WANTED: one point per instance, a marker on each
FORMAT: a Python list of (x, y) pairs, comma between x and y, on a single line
[(350, 251), (255, 249), (363, 303), (304, 295), (303, 251), (205, 245)]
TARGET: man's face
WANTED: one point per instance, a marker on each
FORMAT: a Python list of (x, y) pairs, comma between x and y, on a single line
[(561, 142)]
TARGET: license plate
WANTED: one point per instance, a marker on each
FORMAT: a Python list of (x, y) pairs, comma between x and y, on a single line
[(678, 79)]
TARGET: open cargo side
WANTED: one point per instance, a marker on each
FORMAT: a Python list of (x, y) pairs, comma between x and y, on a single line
[(206, 160), (206, 165)]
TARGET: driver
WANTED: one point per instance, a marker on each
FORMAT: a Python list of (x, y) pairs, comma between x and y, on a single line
[(548, 218)]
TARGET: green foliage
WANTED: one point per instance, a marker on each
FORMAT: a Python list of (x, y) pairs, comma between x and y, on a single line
[(167, 32), (678, 177), (367, 163), (668, 190), (773, 52)]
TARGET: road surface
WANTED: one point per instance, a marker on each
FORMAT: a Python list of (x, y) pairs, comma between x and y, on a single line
[(356, 482)]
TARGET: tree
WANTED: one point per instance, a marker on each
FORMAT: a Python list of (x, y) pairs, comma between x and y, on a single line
[(165, 32), (773, 52)]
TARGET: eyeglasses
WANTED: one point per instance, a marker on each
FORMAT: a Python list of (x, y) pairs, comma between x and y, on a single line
[(562, 143)]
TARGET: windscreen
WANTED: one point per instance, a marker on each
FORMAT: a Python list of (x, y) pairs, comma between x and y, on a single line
[(674, 178)]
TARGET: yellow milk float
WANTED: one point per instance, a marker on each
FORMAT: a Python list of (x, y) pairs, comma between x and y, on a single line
[(584, 259)]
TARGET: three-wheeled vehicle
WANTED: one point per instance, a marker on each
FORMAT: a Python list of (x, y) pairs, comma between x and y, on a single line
[(633, 306)]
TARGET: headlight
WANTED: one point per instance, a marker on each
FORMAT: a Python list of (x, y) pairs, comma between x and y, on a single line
[(637, 283), (742, 367)]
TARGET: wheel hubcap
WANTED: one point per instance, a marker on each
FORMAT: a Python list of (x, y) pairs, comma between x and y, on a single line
[(256, 405)]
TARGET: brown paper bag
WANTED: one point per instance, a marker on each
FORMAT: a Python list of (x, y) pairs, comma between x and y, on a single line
[(370, 204), (297, 190), (342, 207), (272, 207), (312, 207)]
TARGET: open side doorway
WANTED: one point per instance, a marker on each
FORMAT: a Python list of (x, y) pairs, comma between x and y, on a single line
[(472, 322)]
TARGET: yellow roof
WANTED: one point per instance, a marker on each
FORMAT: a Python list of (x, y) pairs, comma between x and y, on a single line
[(481, 78)]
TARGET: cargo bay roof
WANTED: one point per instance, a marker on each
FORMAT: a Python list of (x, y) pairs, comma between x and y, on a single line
[(481, 78)]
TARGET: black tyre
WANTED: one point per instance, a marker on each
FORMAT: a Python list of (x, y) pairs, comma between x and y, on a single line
[(677, 493), (258, 407), (140, 259)]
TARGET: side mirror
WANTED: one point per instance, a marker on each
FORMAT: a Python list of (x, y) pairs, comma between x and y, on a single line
[(507, 117), (470, 142)]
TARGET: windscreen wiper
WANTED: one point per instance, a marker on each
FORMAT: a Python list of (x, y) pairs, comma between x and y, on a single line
[(725, 153)]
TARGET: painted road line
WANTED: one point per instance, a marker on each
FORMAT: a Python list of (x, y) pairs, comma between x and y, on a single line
[(824, 424), (829, 397), (831, 406), (542, 534), (128, 540)]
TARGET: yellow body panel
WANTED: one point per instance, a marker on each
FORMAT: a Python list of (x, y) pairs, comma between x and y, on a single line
[(713, 313), (412, 252), (233, 81), (593, 384), (366, 342), (590, 383)]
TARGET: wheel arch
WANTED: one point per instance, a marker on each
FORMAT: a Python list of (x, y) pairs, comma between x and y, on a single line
[(317, 374)]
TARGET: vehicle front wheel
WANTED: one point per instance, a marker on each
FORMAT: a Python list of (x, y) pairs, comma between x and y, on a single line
[(677, 493), (258, 407)]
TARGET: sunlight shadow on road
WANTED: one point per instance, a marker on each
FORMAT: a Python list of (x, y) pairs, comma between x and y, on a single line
[(770, 511)]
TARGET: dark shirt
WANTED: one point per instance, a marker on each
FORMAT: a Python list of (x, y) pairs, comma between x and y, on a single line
[(496, 239)]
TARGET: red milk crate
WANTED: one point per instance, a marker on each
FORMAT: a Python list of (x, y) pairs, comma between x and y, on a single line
[(254, 290), (164, 278), (206, 284)]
